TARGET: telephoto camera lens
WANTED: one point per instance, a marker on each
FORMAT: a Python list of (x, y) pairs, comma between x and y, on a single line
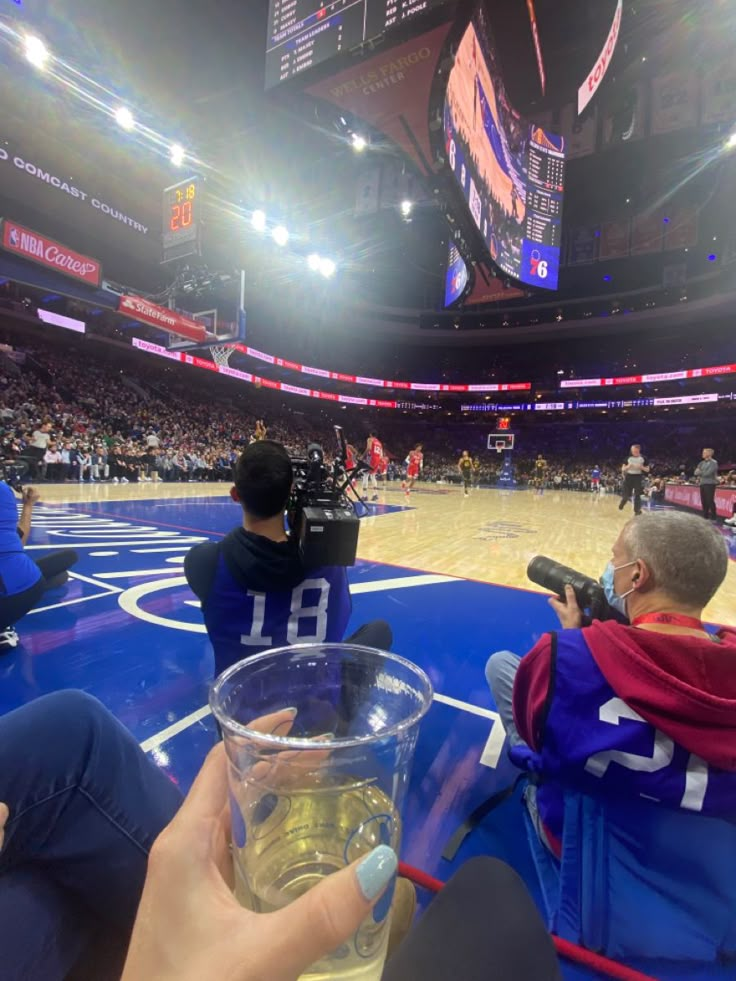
[(555, 576)]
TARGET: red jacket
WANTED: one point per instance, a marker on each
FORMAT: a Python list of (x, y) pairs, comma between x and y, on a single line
[(683, 685)]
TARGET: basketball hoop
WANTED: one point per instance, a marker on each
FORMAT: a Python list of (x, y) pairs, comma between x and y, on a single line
[(500, 446), (221, 354)]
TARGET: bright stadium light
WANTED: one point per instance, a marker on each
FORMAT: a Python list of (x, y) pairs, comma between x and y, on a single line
[(731, 141), (313, 261), (176, 154), (124, 118), (280, 235), (406, 208), (258, 221), (327, 267), (359, 142), (35, 51)]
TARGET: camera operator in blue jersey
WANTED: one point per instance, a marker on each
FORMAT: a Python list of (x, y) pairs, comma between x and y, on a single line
[(255, 589)]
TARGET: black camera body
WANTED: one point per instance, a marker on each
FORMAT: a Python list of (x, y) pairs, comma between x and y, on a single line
[(589, 593), (321, 516)]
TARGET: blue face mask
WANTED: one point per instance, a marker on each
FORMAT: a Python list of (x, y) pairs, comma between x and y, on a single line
[(617, 602)]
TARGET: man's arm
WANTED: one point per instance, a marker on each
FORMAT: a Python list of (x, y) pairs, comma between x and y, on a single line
[(30, 497), (200, 565)]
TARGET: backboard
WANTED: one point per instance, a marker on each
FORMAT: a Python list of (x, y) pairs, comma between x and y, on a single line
[(220, 332), (500, 441)]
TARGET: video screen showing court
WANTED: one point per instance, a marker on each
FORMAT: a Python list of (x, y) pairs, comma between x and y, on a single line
[(510, 172)]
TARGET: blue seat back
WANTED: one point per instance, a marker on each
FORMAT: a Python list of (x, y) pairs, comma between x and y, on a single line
[(653, 887)]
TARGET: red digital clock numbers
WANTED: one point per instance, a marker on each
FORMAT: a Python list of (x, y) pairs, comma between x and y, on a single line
[(181, 216), (181, 224), (182, 208)]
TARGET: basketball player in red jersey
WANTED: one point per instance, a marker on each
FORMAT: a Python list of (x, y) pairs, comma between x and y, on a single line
[(374, 459), (351, 461), (415, 462)]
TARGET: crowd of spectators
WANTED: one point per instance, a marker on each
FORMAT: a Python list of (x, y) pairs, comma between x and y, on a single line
[(86, 419)]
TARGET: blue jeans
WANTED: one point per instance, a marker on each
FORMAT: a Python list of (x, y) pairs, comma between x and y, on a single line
[(501, 669), (86, 804)]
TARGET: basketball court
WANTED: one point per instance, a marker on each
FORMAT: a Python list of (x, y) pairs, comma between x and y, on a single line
[(447, 571)]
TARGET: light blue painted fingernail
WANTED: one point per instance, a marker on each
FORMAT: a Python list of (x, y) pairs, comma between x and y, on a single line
[(376, 871)]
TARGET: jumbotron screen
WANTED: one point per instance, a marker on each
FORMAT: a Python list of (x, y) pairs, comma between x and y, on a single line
[(305, 33), (511, 173)]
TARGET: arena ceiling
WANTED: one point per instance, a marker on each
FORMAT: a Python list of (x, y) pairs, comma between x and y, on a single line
[(197, 70)]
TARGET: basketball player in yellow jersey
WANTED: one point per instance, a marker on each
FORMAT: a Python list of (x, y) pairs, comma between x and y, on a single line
[(465, 466), (540, 470)]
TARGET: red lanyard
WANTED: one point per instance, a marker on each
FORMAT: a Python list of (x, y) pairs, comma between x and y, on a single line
[(671, 619)]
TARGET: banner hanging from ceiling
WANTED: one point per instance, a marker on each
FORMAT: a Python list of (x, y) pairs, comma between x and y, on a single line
[(598, 72)]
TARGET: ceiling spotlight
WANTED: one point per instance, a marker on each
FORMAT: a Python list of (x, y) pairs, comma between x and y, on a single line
[(327, 267), (258, 221), (124, 118), (35, 51), (280, 235), (731, 142), (176, 155), (406, 208), (359, 142), (314, 262)]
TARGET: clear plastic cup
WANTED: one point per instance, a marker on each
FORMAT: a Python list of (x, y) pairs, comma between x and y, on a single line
[(320, 741)]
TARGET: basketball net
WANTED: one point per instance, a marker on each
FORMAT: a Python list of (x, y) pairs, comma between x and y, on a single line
[(221, 354)]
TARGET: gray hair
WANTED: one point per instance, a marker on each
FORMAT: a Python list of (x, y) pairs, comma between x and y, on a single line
[(686, 556)]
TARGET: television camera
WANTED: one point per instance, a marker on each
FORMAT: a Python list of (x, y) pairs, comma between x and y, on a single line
[(322, 518)]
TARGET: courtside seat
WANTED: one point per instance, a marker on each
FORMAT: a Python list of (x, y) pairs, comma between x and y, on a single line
[(653, 888)]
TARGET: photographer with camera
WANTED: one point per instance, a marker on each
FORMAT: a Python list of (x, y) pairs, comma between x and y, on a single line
[(23, 581), (256, 590), (662, 673)]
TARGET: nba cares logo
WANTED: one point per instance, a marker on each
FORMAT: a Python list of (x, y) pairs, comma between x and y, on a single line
[(46, 252)]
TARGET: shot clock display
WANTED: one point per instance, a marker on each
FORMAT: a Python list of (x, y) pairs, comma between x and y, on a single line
[(181, 224)]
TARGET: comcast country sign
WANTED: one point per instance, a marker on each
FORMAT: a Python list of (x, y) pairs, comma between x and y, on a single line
[(45, 251)]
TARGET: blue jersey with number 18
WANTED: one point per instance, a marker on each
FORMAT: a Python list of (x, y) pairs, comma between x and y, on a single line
[(242, 622)]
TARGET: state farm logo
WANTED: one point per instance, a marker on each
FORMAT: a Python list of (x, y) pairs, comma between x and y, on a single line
[(43, 250)]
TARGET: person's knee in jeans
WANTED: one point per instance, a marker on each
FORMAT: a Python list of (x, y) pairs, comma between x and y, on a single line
[(501, 669)]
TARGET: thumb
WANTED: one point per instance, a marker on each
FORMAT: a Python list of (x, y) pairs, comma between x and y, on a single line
[(318, 922)]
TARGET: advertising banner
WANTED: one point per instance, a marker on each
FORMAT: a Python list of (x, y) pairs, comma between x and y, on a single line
[(173, 322), (688, 496), (391, 92), (598, 72), (45, 251)]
